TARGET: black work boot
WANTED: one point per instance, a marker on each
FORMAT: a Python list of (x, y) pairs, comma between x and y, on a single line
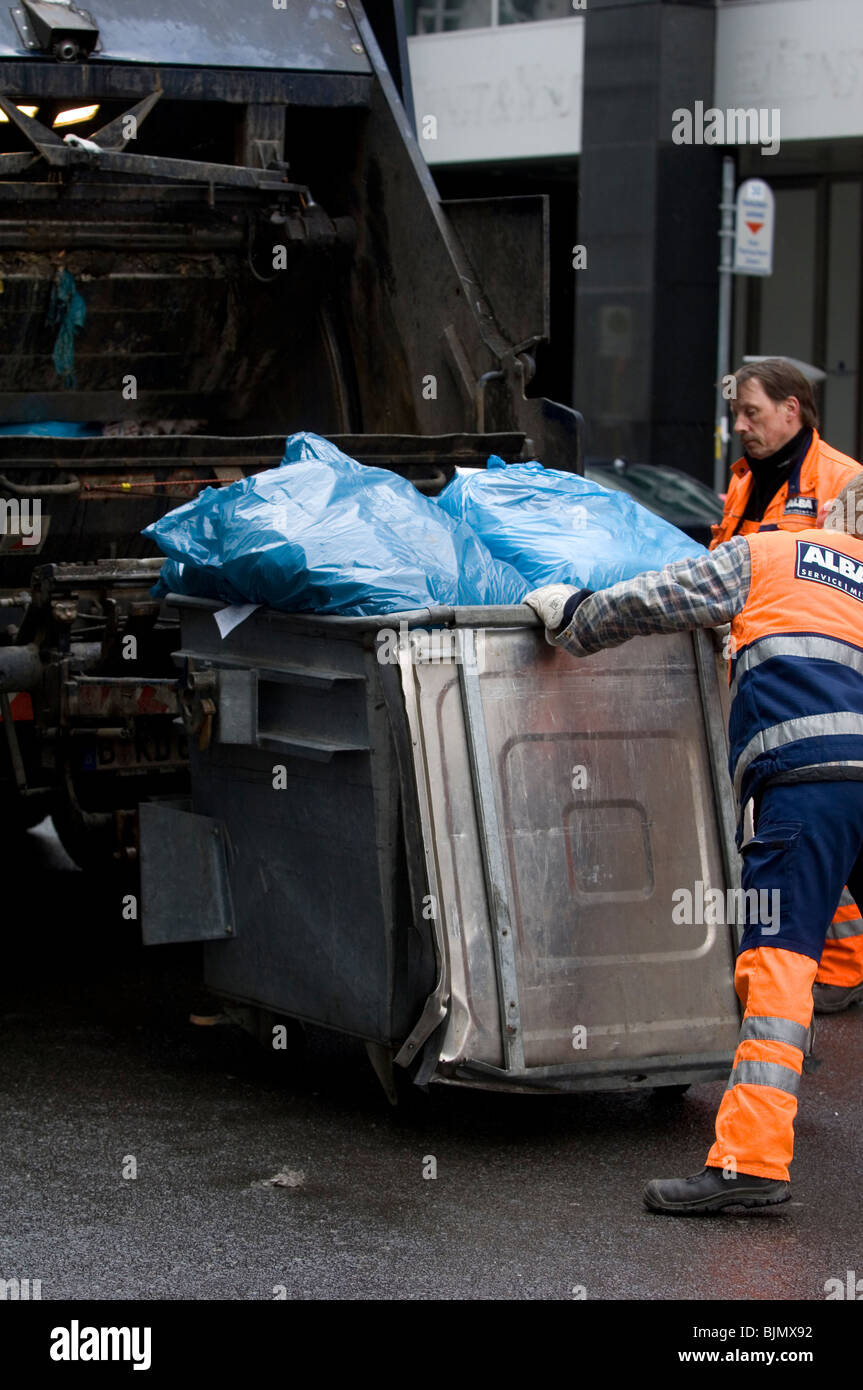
[(832, 999), (711, 1190)]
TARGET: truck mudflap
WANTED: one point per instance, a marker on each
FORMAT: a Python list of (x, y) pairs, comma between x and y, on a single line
[(505, 867)]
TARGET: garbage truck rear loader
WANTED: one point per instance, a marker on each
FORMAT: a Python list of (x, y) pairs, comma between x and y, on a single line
[(241, 240), (216, 228)]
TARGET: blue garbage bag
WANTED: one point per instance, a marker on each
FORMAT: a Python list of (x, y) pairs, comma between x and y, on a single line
[(184, 577), (69, 429), (559, 528), (66, 309), (322, 533)]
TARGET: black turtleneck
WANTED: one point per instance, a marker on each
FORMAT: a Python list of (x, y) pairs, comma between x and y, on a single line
[(770, 473)]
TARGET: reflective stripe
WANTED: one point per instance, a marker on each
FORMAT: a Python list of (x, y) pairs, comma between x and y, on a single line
[(850, 925), (837, 931), (823, 772), (766, 1029), (805, 645), (793, 731), (765, 1074)]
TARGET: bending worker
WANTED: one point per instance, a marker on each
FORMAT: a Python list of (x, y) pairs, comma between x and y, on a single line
[(784, 478), (795, 605)]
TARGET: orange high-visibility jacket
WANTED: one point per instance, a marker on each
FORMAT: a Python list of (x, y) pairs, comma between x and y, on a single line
[(818, 478), (797, 666)]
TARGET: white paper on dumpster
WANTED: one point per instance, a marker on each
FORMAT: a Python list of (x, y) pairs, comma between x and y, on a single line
[(229, 618)]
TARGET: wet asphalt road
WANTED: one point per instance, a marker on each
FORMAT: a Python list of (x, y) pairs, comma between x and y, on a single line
[(534, 1196)]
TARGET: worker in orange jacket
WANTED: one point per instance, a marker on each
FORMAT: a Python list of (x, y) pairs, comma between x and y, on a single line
[(786, 476), (795, 605)]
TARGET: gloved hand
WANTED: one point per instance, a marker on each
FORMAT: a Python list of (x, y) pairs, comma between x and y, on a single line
[(550, 602), (722, 640)]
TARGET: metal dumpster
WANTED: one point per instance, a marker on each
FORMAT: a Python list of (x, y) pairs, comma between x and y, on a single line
[(437, 833)]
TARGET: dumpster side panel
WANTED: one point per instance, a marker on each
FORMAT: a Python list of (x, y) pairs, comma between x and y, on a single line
[(605, 803), (301, 772), (309, 933)]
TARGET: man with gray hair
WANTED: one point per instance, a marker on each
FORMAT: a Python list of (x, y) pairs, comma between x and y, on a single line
[(795, 604), (787, 471), (786, 475)]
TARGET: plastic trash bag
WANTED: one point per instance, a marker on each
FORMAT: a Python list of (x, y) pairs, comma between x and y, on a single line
[(66, 309), (69, 429), (183, 577), (322, 533), (560, 528)]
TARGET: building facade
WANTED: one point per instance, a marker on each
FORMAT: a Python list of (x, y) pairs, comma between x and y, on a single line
[(621, 111)]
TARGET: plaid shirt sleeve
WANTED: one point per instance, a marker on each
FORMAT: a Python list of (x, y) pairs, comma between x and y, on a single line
[(702, 592)]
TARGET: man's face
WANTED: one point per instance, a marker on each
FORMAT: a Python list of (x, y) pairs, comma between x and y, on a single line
[(763, 425)]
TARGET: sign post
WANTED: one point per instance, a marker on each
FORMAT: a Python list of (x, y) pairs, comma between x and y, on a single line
[(746, 234), (723, 339)]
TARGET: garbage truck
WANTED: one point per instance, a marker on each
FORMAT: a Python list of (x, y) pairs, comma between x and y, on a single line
[(428, 830), (216, 227)]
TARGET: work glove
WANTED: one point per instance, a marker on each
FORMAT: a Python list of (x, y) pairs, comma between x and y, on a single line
[(723, 642), (550, 602)]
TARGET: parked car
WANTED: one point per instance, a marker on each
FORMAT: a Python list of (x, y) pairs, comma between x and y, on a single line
[(676, 496)]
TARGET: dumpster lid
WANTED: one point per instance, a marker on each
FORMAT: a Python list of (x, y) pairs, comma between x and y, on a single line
[(464, 615)]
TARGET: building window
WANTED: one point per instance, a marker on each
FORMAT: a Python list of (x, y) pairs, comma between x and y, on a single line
[(810, 307), (445, 16), (524, 11), (442, 16)]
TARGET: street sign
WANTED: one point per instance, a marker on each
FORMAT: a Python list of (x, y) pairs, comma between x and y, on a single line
[(753, 242)]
